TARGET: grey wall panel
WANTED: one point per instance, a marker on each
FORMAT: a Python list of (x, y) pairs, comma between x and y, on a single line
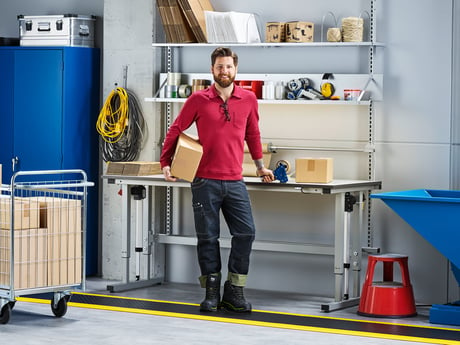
[(417, 71), (412, 166)]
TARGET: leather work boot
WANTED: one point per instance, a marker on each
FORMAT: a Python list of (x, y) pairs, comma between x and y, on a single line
[(234, 300), (212, 299)]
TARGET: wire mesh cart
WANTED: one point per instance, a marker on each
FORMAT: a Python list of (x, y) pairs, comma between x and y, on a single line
[(42, 237)]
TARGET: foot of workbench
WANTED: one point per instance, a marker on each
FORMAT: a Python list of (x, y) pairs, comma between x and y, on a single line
[(340, 305), (134, 285)]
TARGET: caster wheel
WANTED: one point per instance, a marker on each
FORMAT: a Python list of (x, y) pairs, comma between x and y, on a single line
[(5, 314), (61, 308)]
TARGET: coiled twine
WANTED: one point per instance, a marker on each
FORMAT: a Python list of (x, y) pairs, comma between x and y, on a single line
[(352, 29)]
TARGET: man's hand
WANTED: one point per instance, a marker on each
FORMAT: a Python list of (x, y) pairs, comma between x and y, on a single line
[(266, 174), (167, 174)]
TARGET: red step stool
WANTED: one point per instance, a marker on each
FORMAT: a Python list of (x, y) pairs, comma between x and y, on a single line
[(387, 298)]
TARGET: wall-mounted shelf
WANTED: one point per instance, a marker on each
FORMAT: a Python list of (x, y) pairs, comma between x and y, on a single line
[(269, 45), (266, 101)]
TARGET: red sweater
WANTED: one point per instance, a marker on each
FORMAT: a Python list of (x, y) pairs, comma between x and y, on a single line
[(222, 140)]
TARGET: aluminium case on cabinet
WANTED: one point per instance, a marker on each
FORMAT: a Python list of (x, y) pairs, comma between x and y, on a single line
[(57, 30)]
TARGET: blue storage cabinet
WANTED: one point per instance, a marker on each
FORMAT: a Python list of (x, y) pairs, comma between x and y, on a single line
[(50, 103)]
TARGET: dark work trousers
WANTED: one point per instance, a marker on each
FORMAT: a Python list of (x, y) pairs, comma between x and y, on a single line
[(209, 197)]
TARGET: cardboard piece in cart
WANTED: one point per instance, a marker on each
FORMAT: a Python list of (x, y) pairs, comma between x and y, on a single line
[(186, 158)]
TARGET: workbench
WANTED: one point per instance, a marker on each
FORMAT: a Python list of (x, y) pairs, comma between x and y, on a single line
[(347, 248)]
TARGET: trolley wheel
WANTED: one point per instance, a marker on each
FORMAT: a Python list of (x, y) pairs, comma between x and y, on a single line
[(61, 308), (5, 314)]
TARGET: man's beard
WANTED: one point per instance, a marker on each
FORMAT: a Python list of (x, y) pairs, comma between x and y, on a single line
[(224, 83)]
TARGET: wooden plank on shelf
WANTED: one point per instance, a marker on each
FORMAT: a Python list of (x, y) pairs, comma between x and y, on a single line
[(194, 12)]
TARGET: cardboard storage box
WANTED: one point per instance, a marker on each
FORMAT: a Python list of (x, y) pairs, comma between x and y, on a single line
[(30, 258), (115, 168), (62, 219), (141, 168), (186, 158), (312, 170), (275, 32), (136, 168), (299, 32), (26, 213)]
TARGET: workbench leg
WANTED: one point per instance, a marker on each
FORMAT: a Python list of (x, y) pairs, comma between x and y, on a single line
[(341, 253), (126, 284)]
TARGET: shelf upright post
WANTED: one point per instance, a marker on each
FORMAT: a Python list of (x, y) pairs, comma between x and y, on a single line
[(168, 120), (371, 157)]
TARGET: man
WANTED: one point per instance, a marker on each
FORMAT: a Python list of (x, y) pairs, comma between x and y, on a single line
[(225, 116)]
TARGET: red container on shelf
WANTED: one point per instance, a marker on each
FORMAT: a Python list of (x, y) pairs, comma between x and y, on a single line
[(251, 85)]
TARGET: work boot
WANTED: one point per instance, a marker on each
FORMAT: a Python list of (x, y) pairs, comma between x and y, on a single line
[(234, 300), (212, 299)]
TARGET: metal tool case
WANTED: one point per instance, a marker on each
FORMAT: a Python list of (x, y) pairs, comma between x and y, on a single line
[(57, 30)]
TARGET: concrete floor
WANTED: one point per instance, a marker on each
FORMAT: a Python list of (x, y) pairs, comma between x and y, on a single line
[(34, 323)]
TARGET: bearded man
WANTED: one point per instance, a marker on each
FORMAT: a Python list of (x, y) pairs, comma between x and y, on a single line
[(226, 116)]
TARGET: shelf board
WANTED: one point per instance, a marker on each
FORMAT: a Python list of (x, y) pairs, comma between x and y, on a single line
[(268, 45), (267, 101)]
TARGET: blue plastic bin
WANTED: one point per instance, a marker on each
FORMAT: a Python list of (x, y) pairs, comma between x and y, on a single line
[(434, 214)]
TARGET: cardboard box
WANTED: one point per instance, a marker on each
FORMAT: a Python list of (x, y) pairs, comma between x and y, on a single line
[(186, 158), (29, 258), (312, 170), (194, 12), (115, 168), (142, 168), (136, 168), (62, 219), (299, 31), (26, 213), (275, 32)]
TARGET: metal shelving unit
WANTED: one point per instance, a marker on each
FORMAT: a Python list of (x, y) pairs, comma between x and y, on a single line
[(169, 52)]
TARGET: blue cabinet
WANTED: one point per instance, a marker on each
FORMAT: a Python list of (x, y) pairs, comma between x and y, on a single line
[(50, 103)]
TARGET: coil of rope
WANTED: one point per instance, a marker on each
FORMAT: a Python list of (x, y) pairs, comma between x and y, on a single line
[(121, 126)]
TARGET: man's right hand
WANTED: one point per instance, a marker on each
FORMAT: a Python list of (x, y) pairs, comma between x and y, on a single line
[(167, 174)]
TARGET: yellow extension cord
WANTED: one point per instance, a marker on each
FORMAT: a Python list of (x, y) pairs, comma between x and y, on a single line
[(111, 123)]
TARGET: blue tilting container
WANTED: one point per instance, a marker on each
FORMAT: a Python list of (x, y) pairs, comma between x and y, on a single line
[(435, 215)]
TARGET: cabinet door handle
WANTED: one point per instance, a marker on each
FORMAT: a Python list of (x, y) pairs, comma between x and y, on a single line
[(14, 162)]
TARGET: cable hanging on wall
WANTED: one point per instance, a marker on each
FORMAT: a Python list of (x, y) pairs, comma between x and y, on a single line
[(121, 126)]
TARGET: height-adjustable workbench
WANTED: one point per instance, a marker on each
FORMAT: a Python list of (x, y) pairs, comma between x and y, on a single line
[(350, 197)]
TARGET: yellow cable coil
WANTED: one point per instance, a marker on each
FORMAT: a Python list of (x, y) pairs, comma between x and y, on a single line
[(113, 117)]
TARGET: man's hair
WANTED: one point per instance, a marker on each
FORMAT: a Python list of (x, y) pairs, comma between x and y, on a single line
[(222, 52)]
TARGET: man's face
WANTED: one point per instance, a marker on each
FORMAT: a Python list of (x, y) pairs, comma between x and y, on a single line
[(224, 71)]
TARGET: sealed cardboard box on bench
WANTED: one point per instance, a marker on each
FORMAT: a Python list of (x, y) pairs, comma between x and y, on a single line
[(186, 158), (314, 170)]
